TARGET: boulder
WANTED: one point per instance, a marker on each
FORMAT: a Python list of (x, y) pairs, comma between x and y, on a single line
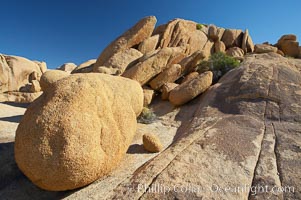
[(247, 43), (122, 59), (151, 65), (232, 38), (169, 75), (183, 33), (190, 62), (50, 77), (264, 48), (15, 72), (213, 33), (291, 37), (148, 94), (135, 35), (190, 89), (235, 52), (78, 131), (288, 45), (152, 143), (219, 46), (67, 67), (166, 88), (35, 86), (85, 67), (149, 44), (190, 76)]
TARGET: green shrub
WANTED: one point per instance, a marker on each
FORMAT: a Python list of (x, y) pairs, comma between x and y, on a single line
[(199, 26), (219, 63), (147, 116)]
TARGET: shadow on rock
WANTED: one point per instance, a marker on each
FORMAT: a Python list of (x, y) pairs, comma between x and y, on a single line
[(14, 185), (137, 149)]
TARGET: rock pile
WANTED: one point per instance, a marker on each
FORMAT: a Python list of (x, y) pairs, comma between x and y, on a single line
[(159, 56), (287, 45)]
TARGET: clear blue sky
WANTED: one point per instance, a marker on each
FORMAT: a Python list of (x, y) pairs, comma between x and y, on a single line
[(76, 30)]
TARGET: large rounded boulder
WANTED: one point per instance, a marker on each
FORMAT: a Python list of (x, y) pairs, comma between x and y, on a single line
[(78, 130)]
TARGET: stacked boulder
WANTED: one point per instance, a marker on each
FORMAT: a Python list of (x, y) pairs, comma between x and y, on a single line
[(287, 45), (20, 78), (159, 57)]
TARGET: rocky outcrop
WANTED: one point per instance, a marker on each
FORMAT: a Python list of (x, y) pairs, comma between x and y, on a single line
[(57, 126), (85, 67), (183, 33), (190, 89), (152, 64), (67, 67), (288, 45), (19, 79), (135, 35), (16, 72), (244, 134)]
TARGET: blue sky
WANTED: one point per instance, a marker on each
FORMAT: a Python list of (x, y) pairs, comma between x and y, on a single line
[(75, 31)]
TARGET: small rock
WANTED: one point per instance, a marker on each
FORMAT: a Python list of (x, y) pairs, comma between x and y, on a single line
[(152, 143)]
